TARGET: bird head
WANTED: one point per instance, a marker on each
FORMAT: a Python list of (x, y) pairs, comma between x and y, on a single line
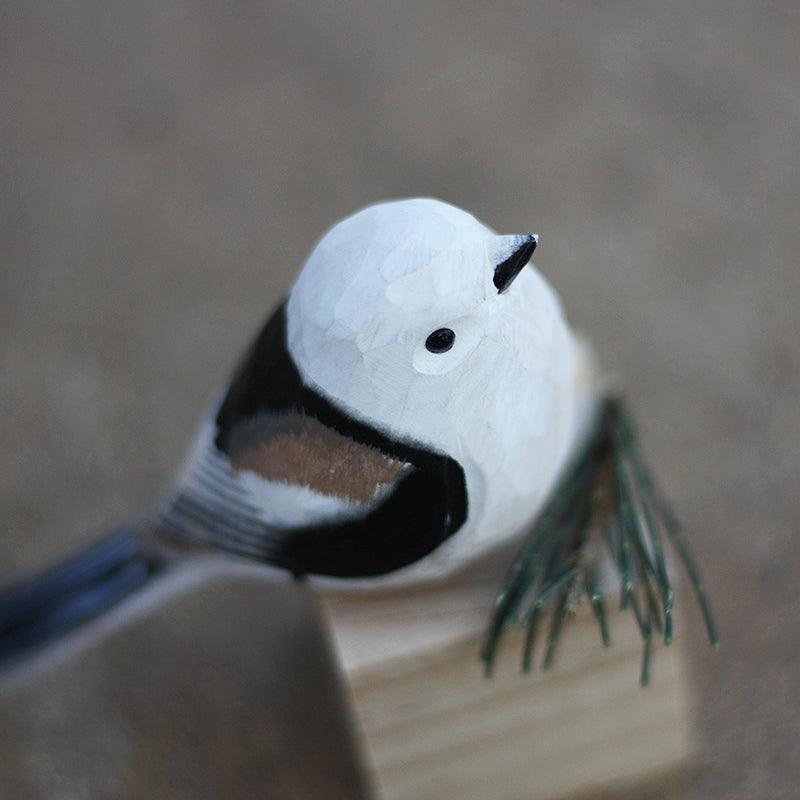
[(423, 322)]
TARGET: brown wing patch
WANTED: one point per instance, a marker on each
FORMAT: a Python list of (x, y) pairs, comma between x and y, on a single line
[(300, 450)]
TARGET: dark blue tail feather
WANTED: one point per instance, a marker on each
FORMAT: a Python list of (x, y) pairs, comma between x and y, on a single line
[(58, 600)]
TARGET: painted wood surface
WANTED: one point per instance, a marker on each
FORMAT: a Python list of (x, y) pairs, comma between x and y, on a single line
[(403, 413)]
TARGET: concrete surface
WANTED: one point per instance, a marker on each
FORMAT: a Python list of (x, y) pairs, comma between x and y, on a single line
[(165, 167)]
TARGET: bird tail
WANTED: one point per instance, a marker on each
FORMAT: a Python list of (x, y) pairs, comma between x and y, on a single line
[(54, 602)]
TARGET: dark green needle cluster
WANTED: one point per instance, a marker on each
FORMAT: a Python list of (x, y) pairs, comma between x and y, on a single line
[(606, 500)]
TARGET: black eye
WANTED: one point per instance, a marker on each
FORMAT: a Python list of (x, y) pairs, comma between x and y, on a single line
[(440, 341)]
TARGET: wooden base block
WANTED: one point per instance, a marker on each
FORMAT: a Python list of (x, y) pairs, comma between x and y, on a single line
[(435, 727)]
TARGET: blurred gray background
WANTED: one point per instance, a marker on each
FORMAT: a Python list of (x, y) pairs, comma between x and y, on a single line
[(165, 167)]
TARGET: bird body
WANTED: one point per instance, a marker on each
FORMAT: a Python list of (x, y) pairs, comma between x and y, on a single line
[(406, 409), (416, 401)]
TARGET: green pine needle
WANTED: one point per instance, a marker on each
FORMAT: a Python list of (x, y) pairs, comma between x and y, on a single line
[(607, 490)]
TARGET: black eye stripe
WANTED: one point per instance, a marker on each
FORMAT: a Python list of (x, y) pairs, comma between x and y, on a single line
[(440, 341)]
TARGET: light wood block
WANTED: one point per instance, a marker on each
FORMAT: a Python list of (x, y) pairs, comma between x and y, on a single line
[(434, 727)]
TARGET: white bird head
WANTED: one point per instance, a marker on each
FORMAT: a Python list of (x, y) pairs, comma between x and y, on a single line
[(408, 408), (421, 321)]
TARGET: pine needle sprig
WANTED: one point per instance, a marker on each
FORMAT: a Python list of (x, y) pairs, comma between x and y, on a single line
[(606, 493)]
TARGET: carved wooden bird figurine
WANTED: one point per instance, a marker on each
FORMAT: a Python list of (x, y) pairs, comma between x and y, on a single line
[(416, 401), (408, 407)]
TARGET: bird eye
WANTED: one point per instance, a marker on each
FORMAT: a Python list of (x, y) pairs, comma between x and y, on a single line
[(440, 341)]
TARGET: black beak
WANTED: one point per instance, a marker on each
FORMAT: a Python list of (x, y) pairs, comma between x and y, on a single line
[(506, 271)]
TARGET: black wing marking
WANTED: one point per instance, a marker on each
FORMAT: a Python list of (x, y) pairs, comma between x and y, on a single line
[(427, 505)]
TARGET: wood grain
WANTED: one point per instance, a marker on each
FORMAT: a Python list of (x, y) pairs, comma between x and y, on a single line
[(435, 727)]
